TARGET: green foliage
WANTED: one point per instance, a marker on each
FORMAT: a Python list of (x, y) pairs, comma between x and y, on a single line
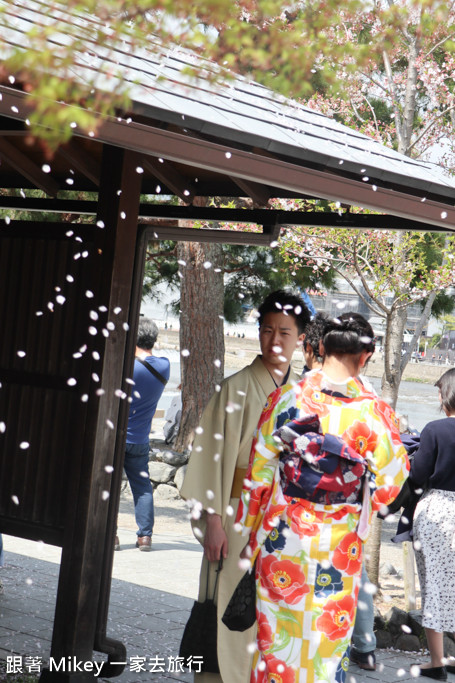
[(250, 274), (442, 305), (434, 341)]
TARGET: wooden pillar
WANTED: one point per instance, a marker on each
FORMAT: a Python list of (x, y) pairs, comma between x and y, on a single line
[(91, 490)]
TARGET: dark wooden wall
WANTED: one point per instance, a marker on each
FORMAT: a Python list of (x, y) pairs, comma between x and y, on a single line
[(68, 331)]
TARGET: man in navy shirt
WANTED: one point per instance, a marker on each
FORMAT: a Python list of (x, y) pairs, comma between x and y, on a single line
[(150, 376)]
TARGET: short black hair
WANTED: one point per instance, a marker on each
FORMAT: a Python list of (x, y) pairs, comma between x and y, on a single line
[(282, 301), (348, 333), (147, 333), (314, 332), (446, 385)]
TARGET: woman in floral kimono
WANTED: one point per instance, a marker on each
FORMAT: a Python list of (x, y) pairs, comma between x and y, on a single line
[(326, 454)]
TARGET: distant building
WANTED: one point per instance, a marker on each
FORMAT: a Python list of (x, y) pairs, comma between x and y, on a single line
[(344, 299)]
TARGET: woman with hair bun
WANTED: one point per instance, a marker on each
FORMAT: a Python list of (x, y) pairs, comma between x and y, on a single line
[(434, 529), (326, 454)]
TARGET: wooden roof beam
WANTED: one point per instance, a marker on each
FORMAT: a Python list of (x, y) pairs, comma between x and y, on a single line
[(166, 173), (178, 234), (258, 193), (28, 168), (82, 161), (277, 173)]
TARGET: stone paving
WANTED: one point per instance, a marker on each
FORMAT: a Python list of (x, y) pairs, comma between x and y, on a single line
[(152, 594)]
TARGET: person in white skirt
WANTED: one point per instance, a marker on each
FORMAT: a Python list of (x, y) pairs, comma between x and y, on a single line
[(433, 470)]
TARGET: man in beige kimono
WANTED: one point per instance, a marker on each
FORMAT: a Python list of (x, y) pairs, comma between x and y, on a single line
[(218, 464)]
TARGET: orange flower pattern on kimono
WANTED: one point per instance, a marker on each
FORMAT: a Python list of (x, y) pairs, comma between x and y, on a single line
[(336, 617), (309, 554), (348, 554)]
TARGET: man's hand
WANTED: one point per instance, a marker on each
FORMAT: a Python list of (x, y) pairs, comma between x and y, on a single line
[(215, 541)]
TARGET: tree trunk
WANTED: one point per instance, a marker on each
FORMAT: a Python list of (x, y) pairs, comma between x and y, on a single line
[(395, 326), (201, 332), (418, 330)]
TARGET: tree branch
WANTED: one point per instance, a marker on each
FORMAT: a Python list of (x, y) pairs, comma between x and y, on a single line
[(436, 45), (388, 70), (430, 125)]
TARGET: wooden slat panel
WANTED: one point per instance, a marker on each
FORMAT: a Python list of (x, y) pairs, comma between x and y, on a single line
[(37, 404)]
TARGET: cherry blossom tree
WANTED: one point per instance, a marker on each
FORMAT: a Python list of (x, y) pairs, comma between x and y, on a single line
[(390, 271), (406, 100)]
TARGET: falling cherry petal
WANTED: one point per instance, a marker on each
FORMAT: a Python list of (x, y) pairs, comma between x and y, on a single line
[(244, 564)]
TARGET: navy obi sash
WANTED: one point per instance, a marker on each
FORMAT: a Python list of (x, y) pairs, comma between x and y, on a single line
[(319, 467)]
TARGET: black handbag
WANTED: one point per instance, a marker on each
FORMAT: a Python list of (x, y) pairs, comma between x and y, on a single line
[(240, 613), (200, 635)]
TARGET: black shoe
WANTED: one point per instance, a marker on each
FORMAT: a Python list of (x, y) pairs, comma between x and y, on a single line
[(364, 660), (438, 673), (450, 668)]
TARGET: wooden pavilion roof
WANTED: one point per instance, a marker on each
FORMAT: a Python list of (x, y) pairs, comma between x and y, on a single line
[(197, 138)]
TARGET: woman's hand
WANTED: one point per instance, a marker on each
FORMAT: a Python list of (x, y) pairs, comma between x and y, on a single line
[(215, 541)]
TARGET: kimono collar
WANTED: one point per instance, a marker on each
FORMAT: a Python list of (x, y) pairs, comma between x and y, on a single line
[(264, 377), (349, 388)]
